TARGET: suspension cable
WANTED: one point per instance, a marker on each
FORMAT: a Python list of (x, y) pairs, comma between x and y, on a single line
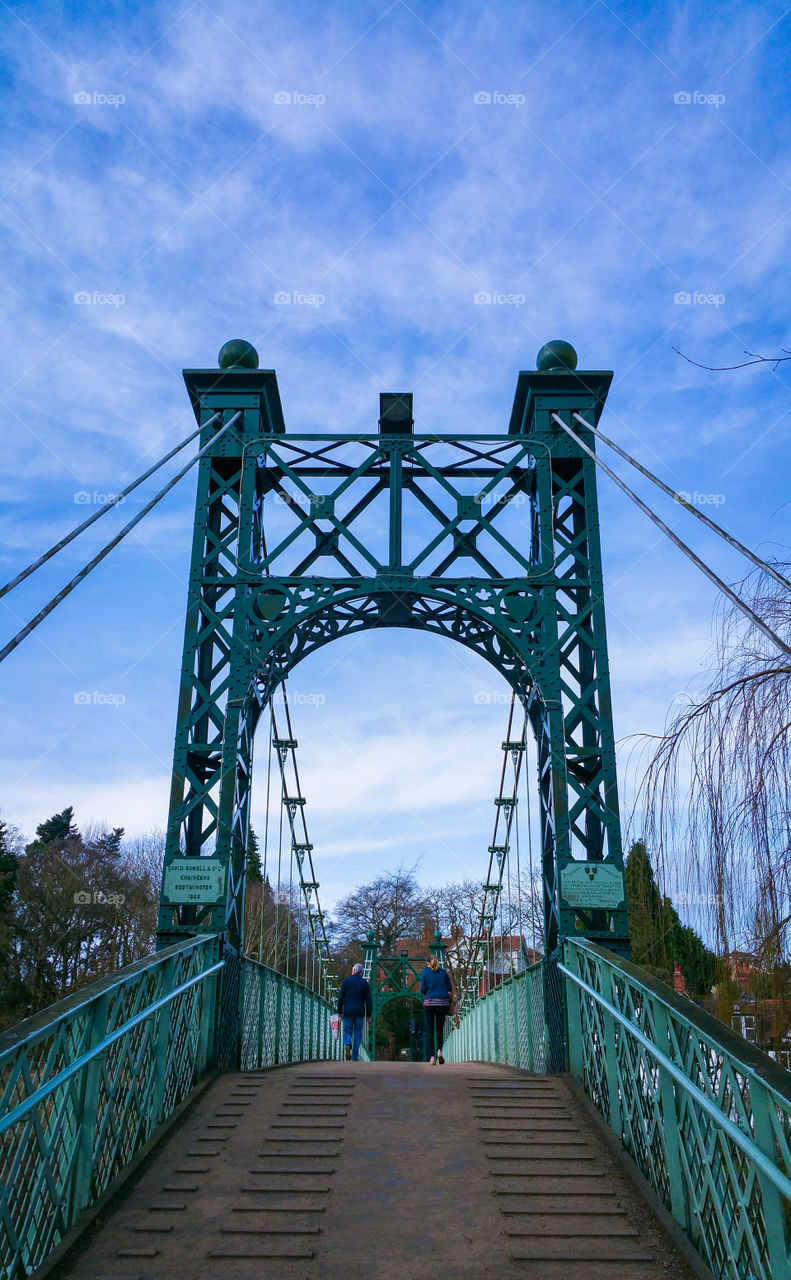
[(532, 907), (266, 843), (105, 551), (483, 943), (290, 914), (688, 552), (97, 515), (681, 500), (519, 908), (292, 802), (275, 959)]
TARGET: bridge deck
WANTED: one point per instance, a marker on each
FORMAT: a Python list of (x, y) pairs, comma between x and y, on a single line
[(380, 1170)]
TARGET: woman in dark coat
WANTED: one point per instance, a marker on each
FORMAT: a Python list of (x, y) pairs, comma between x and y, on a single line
[(437, 991)]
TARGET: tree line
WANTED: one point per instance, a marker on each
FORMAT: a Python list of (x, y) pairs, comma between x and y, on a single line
[(76, 906)]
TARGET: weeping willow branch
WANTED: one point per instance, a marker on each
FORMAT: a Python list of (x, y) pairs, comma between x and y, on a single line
[(716, 795)]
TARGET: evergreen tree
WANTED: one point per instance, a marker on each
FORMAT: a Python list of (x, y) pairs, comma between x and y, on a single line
[(58, 827), (109, 842), (649, 925), (253, 866), (659, 939), (9, 866)]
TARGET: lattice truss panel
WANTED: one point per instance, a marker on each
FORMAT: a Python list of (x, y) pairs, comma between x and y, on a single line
[(581, 646), (733, 1213), (507, 1025), (63, 1153), (490, 541), (428, 507), (208, 666), (282, 1021)]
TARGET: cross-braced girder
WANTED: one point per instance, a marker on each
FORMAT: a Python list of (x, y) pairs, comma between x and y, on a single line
[(488, 540)]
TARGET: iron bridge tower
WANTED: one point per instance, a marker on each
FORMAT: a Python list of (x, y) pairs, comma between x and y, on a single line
[(491, 540)]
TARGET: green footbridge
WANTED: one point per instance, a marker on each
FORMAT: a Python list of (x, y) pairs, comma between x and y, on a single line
[(588, 1121)]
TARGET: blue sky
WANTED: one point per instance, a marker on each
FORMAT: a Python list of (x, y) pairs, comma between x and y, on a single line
[(182, 164)]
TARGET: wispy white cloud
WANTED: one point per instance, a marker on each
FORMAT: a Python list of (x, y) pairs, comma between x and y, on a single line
[(595, 200)]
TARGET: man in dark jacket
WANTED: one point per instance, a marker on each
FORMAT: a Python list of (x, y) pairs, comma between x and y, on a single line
[(354, 1005)]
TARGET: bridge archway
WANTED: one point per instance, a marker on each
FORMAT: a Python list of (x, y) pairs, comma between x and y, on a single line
[(490, 540)]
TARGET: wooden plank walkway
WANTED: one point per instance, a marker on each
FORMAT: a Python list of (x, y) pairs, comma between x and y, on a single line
[(379, 1171)]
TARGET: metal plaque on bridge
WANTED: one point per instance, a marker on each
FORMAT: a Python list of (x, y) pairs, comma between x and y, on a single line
[(589, 885), (196, 880)]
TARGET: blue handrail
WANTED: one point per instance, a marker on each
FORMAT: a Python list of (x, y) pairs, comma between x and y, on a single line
[(11, 1117), (705, 1115), (747, 1145)]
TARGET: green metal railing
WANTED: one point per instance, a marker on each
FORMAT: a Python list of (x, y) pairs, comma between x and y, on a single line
[(282, 1021), (86, 1083), (705, 1115), (507, 1025)]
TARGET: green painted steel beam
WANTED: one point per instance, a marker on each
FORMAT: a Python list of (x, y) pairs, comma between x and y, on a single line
[(286, 558)]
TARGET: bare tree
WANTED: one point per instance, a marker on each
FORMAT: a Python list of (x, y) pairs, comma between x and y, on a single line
[(393, 906), (755, 358), (716, 791), (456, 911)]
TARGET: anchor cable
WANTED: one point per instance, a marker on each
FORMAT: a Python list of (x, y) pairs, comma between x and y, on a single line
[(97, 515), (105, 551), (688, 552), (681, 500)]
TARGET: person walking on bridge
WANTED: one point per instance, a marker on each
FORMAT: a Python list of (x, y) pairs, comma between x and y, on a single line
[(354, 1006), (436, 989)]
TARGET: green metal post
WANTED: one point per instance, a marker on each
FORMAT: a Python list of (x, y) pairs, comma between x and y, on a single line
[(670, 1130), (163, 1044), (291, 997), (263, 978), (207, 1034), (84, 1164), (611, 1054), (278, 1018), (371, 965), (775, 1218), (574, 1012)]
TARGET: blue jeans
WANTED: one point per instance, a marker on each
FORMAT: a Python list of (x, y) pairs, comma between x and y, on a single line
[(353, 1034)]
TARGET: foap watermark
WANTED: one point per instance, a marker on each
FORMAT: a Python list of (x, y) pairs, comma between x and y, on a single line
[(697, 899), (86, 498), (484, 698), (496, 298), (700, 499), (95, 698), (85, 898), (685, 299), (96, 99), (296, 299), (498, 99), (306, 699), (97, 299), (500, 499), (313, 502), (697, 99), (295, 98)]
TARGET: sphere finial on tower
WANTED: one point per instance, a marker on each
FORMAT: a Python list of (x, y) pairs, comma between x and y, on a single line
[(556, 356), (238, 354)]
